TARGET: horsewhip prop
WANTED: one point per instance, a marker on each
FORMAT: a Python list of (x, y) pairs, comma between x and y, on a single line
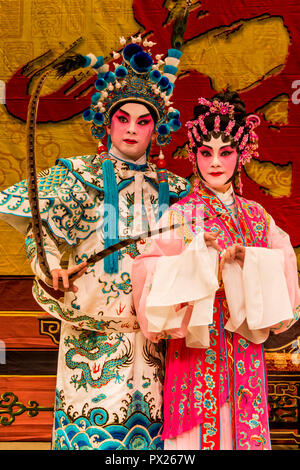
[(31, 175), (128, 241)]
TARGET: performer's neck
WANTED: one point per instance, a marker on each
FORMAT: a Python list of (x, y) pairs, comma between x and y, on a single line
[(114, 152)]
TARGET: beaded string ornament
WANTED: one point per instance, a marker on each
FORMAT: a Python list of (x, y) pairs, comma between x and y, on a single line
[(242, 137)]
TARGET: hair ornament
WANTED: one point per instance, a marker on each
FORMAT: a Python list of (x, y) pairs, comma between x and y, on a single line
[(244, 141), (217, 107), (217, 124), (244, 138), (196, 134), (229, 127), (252, 121), (202, 125), (238, 134)]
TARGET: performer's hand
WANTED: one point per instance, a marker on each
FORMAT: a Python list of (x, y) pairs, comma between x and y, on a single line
[(233, 253), (63, 279), (210, 239)]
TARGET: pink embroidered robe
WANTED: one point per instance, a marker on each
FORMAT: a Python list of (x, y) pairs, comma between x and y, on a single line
[(223, 384)]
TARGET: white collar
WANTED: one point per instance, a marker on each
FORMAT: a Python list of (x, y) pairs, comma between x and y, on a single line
[(227, 197)]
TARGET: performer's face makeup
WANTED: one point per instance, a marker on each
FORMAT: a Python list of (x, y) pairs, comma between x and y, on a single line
[(216, 163), (131, 129)]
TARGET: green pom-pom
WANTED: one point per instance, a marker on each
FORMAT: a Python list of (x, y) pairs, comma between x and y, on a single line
[(98, 119), (155, 76), (174, 114), (174, 124), (88, 115), (95, 98), (100, 84), (109, 77), (163, 83), (121, 71)]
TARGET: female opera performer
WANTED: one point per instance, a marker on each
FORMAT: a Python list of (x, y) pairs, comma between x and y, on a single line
[(223, 279)]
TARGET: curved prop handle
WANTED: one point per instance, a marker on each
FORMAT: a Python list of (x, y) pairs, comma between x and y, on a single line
[(31, 174)]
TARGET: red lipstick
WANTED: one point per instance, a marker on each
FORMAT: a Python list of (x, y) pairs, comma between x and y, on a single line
[(219, 173), (129, 141)]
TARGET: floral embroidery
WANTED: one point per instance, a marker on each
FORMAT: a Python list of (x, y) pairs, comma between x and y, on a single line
[(240, 367), (232, 368)]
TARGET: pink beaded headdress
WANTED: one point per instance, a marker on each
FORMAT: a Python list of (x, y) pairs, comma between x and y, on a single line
[(241, 133)]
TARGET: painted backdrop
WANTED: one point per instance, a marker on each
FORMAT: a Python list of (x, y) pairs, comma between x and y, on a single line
[(250, 46)]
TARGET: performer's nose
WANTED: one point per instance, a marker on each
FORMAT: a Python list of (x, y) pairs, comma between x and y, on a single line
[(215, 161), (131, 128)]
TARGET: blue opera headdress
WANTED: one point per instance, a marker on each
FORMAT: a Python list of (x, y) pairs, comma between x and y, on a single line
[(135, 77)]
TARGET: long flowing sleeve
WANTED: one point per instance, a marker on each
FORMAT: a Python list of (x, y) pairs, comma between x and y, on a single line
[(174, 286), (263, 296), (278, 239)]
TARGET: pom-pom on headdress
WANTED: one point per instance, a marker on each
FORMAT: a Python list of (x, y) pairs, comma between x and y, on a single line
[(223, 120), (136, 78)]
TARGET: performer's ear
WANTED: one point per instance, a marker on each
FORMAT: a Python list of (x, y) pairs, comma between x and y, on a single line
[(108, 130), (153, 136)]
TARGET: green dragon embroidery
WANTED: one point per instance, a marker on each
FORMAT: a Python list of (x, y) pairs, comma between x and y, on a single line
[(53, 307), (116, 287), (93, 345)]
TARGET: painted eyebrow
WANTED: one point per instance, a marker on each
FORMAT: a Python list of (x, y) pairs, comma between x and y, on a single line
[(223, 147), (139, 117), (124, 112), (144, 116)]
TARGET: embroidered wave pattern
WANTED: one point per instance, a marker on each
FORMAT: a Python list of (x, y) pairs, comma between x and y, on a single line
[(91, 432)]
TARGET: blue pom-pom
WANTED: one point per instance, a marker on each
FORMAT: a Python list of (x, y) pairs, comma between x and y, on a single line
[(109, 77), (95, 98), (130, 50), (163, 83), (121, 71), (88, 115), (155, 76), (99, 62), (98, 119), (141, 62), (169, 89), (175, 114), (164, 129), (174, 124), (176, 53), (100, 84)]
